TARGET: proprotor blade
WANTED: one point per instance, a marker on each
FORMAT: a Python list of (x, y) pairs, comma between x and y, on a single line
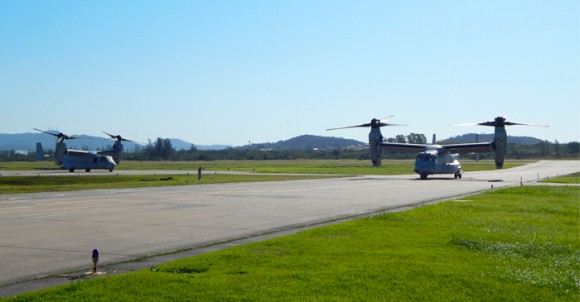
[(524, 124), (500, 121), (58, 135), (357, 126), (117, 137), (375, 123)]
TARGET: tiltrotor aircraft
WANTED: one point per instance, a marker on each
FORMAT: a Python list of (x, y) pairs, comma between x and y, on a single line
[(375, 137), (79, 159), (440, 159)]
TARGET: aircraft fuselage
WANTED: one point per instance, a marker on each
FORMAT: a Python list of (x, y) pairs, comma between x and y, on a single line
[(433, 162), (88, 161)]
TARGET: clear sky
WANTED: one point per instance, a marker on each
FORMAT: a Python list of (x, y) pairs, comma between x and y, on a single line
[(229, 72)]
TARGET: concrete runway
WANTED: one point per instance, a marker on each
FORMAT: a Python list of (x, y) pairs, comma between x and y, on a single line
[(52, 233)]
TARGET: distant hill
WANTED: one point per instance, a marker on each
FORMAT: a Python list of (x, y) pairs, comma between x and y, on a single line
[(310, 142), (471, 138), (27, 142), (179, 144), (306, 142)]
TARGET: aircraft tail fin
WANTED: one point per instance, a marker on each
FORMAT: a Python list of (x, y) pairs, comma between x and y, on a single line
[(477, 141), (39, 152)]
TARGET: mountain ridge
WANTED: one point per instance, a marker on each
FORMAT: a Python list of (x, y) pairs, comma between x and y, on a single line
[(475, 137), (27, 142)]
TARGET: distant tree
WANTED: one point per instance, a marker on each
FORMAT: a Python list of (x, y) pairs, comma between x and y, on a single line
[(574, 148), (163, 148), (149, 150), (15, 156), (415, 138), (544, 148)]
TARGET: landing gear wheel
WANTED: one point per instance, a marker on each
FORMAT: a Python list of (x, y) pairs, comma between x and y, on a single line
[(71, 170), (423, 175), (87, 170)]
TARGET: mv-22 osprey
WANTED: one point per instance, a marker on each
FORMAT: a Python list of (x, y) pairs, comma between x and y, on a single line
[(79, 159), (439, 159)]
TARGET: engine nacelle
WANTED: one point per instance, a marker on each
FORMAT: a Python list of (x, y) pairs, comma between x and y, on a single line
[(116, 151), (375, 140), (59, 153), (500, 146)]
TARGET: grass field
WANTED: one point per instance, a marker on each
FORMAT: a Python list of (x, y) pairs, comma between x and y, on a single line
[(33, 184), (518, 244), (573, 178), (88, 181), (363, 167)]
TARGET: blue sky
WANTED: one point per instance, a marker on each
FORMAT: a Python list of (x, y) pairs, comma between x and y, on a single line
[(229, 72)]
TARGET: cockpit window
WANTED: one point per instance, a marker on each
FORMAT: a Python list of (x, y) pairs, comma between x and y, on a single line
[(427, 157)]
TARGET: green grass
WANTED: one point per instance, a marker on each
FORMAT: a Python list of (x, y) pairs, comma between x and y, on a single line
[(87, 181), (518, 244), (363, 167), (573, 178), (35, 184), (283, 166)]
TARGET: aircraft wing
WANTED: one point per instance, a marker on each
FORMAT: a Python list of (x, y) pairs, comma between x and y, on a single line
[(402, 147), (469, 147), (453, 148), (77, 152)]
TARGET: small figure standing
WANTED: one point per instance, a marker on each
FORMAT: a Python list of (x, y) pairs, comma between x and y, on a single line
[(199, 173), (95, 260)]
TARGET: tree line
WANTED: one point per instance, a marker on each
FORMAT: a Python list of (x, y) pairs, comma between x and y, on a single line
[(162, 149)]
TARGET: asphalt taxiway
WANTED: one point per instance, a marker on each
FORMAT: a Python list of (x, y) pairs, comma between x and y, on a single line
[(53, 234)]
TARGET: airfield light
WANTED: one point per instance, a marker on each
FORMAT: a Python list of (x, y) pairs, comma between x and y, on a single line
[(95, 259)]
